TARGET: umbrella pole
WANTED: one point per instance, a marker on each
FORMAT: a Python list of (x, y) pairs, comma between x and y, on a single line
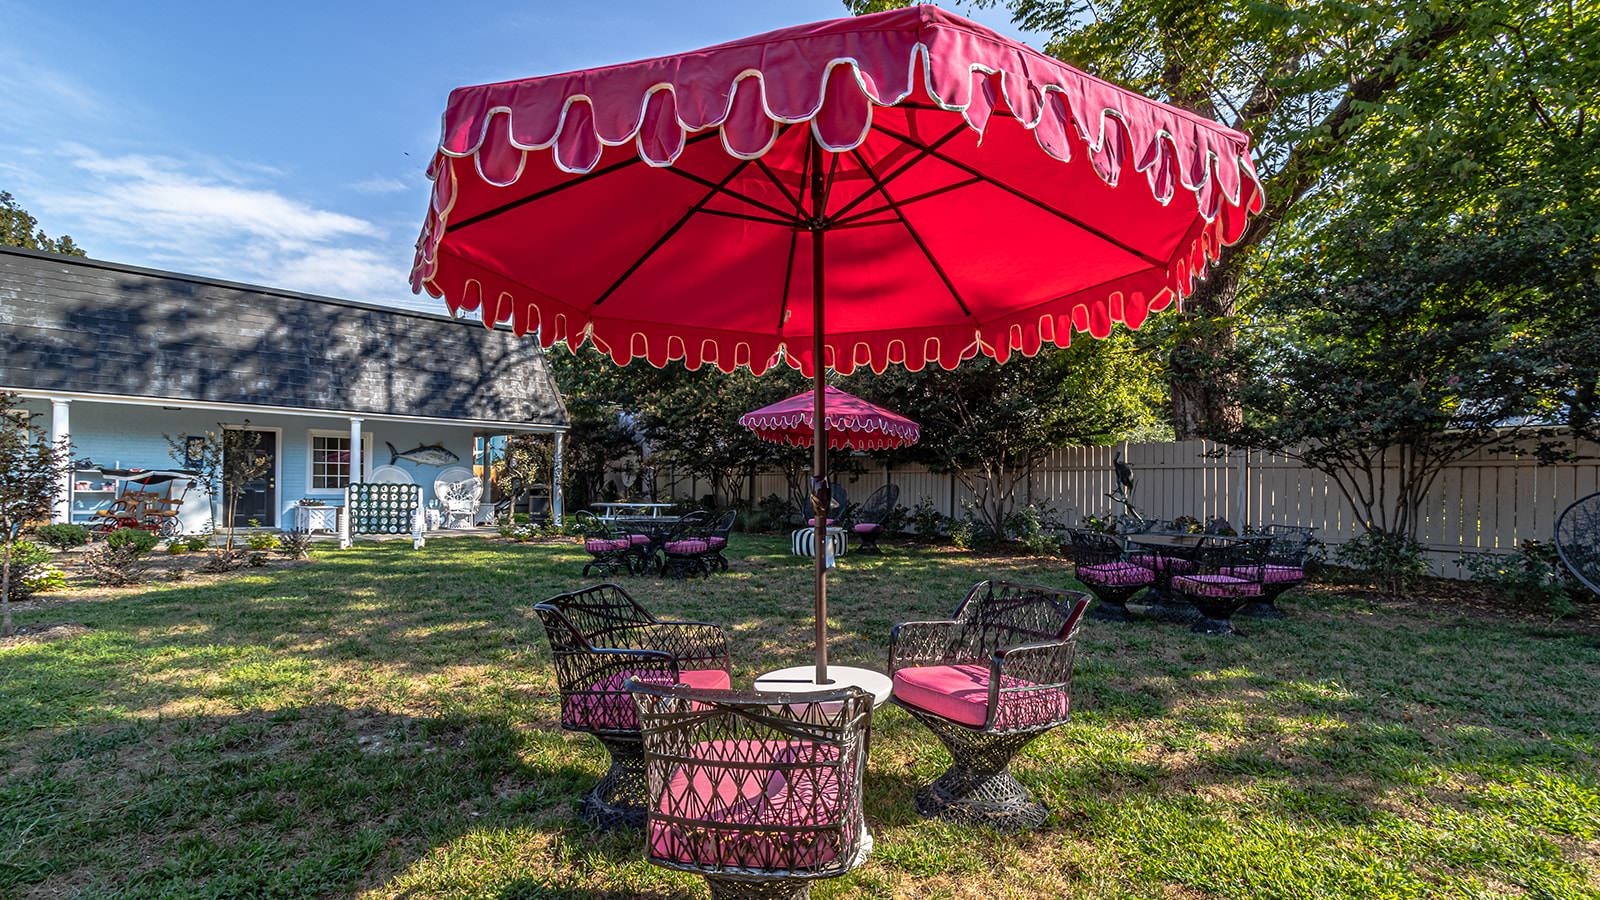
[(819, 439)]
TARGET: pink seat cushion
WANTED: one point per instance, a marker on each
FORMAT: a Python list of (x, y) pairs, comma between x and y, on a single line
[(717, 541), (1116, 574), (1215, 586), (1162, 563), (606, 706), (606, 545), (687, 547), (866, 528), (961, 694), (638, 539), (812, 522), (1266, 574), (759, 791)]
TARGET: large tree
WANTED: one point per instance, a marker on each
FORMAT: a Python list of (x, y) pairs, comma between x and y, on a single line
[(19, 229)]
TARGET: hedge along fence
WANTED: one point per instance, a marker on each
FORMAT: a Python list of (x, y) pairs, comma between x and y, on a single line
[(1486, 503)]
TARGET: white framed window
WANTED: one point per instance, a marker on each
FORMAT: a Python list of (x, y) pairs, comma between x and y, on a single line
[(328, 460)]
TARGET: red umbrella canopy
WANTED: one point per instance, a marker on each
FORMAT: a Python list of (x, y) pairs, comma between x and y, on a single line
[(977, 197), (851, 423)]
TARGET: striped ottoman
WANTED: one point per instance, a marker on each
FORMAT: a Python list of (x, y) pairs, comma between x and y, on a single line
[(803, 542)]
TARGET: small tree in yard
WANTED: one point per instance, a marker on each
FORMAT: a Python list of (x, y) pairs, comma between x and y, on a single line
[(225, 460), (31, 470)]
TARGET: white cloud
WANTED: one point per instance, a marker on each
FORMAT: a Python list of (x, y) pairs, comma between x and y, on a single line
[(379, 184), (212, 218)]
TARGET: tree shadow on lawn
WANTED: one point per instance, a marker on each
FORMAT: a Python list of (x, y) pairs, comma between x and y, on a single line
[(302, 801)]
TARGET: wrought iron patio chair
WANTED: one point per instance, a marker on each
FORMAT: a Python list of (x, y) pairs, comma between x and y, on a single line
[(758, 793), (838, 502), (1112, 580), (1283, 568), (721, 531), (600, 637), (687, 549), (609, 552), (1227, 574), (868, 527), (987, 682), (1578, 541)]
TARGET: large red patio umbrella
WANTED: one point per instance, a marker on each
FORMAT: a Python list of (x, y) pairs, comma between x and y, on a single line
[(900, 188), (850, 422)]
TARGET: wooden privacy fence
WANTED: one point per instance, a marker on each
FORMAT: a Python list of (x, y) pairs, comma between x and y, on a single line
[(1486, 503)]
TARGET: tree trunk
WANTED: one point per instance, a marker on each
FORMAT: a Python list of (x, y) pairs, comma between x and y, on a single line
[(1199, 371), (5, 593)]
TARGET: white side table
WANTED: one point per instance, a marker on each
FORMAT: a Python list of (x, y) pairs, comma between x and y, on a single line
[(316, 518), (803, 680)]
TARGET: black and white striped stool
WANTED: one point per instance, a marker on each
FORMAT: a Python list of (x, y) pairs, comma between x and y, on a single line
[(803, 541)]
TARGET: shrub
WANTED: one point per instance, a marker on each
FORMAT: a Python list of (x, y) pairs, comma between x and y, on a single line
[(197, 542), (294, 544), (44, 578), (177, 546), (961, 534), (223, 560), (928, 521), (1394, 561), (143, 541), (261, 541), (117, 564), (62, 536), (256, 559), (896, 520), (28, 561), (1028, 527), (1532, 576)]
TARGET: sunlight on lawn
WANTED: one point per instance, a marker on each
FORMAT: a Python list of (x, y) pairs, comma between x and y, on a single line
[(385, 721)]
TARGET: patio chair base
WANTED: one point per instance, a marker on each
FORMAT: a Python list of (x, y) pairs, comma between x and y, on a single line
[(1262, 609), (619, 800), (1215, 626), (1111, 611), (763, 889), (979, 788)]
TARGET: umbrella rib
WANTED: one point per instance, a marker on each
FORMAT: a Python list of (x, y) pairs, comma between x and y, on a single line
[(799, 208), (922, 153), (722, 188), (912, 142), (556, 189), (676, 226), (906, 202), (879, 185), (788, 276)]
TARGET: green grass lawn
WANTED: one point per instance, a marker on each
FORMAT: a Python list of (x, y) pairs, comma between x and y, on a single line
[(383, 722)]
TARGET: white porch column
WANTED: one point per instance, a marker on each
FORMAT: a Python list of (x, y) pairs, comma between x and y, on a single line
[(60, 430), (556, 511), (356, 456)]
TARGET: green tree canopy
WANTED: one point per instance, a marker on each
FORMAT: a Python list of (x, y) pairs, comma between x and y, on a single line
[(19, 229)]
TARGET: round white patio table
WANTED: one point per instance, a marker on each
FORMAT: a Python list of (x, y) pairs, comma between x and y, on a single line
[(803, 680)]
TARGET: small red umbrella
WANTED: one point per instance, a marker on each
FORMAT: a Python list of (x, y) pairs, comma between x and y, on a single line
[(895, 189), (850, 423)]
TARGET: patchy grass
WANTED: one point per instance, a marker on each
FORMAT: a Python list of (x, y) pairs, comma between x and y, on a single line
[(383, 722)]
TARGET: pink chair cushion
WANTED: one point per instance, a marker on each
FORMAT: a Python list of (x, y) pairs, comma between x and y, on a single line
[(1215, 586), (1116, 574), (866, 528), (638, 539), (717, 541), (1266, 574), (761, 790), (961, 694), (687, 547), (606, 545), (812, 522), (1162, 563), (607, 707)]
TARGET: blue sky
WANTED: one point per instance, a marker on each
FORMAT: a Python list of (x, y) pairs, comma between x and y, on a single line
[(285, 143)]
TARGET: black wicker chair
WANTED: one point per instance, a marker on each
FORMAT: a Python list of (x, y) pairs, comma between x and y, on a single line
[(838, 502), (1283, 569), (1109, 577), (600, 638), (609, 551), (1578, 541), (759, 793), (717, 538), (687, 550), (1226, 574), (868, 527), (987, 682)]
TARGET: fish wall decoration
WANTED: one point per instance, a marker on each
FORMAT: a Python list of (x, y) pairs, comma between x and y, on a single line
[(423, 455)]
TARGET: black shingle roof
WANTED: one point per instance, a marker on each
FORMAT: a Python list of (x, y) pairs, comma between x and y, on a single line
[(85, 326)]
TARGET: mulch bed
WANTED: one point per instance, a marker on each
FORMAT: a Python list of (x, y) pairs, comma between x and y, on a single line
[(42, 634)]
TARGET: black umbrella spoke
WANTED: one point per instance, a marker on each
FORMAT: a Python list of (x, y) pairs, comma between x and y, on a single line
[(850, 220), (722, 188), (919, 154)]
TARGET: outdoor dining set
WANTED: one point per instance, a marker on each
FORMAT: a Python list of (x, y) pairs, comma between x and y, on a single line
[(1204, 578), (675, 546), (761, 790)]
